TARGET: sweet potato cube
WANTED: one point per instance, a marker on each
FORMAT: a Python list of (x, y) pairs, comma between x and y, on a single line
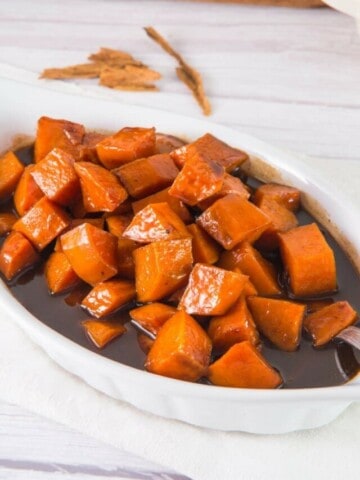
[(163, 196), (167, 143), (249, 289), (232, 220), (242, 366), (145, 176), (59, 274), (125, 146), (156, 222), (16, 254), (100, 188), (230, 184), (211, 290), (11, 170), (326, 323), (152, 317), (205, 249), (212, 149), (161, 268), (145, 342), (249, 261), (75, 222), (181, 349), (102, 333), (199, 179), (279, 320), (308, 260), (7, 221), (125, 263), (117, 224), (27, 192), (87, 149), (91, 253), (313, 306), (54, 133), (237, 325), (42, 223), (288, 197)]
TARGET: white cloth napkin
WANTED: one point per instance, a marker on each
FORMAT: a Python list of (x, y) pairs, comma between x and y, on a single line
[(33, 381)]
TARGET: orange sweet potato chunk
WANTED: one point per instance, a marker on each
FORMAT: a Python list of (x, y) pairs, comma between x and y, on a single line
[(59, 274), (152, 317), (279, 320), (232, 220), (7, 221), (145, 342), (87, 149), (237, 325), (126, 264), (125, 146), (75, 222), (242, 366), (230, 184), (161, 268), (27, 192), (327, 322), (167, 143), (117, 224), (288, 197), (54, 133), (11, 170), (16, 254), (91, 252), (205, 249), (101, 333), (211, 290), (308, 260), (181, 350), (100, 188), (145, 176), (42, 223), (249, 261)]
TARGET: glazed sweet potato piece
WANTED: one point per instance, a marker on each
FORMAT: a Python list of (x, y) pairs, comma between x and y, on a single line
[(326, 323), (59, 274), (313, 306), (125, 146), (102, 333), (75, 222), (42, 223), (279, 320), (232, 220), (16, 254), (181, 349), (152, 317), (27, 192), (117, 224), (167, 143), (126, 264), (156, 222), (205, 249), (7, 221), (53, 133), (308, 260), (91, 253), (230, 184), (145, 176), (249, 261), (100, 188), (145, 342), (288, 197), (11, 170), (237, 325), (249, 289), (242, 366), (211, 290), (87, 149), (161, 268)]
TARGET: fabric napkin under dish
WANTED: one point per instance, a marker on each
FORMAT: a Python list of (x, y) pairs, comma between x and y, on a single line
[(30, 379)]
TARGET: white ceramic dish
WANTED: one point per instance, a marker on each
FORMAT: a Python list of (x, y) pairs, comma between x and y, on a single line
[(256, 411)]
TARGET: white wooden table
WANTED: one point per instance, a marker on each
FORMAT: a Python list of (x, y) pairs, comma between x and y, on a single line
[(290, 77)]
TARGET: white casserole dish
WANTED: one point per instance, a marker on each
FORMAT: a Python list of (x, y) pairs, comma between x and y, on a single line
[(256, 411)]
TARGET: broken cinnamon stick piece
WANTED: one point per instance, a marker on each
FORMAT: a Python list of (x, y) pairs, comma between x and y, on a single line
[(84, 70), (113, 58), (130, 77)]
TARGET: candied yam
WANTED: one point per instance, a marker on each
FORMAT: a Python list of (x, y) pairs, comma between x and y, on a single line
[(232, 220), (316, 305), (249, 261), (230, 184), (199, 179), (91, 252), (242, 366), (152, 317), (211, 290), (16, 254), (145, 342), (7, 221), (53, 133), (205, 249), (156, 222), (145, 176), (125, 146), (56, 177), (279, 320), (288, 197), (308, 260), (117, 224), (59, 274), (327, 322), (181, 350), (74, 222), (212, 149), (87, 149), (167, 143), (27, 192), (101, 333), (125, 263), (42, 223), (100, 188), (235, 326), (249, 288), (161, 268), (11, 170)]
